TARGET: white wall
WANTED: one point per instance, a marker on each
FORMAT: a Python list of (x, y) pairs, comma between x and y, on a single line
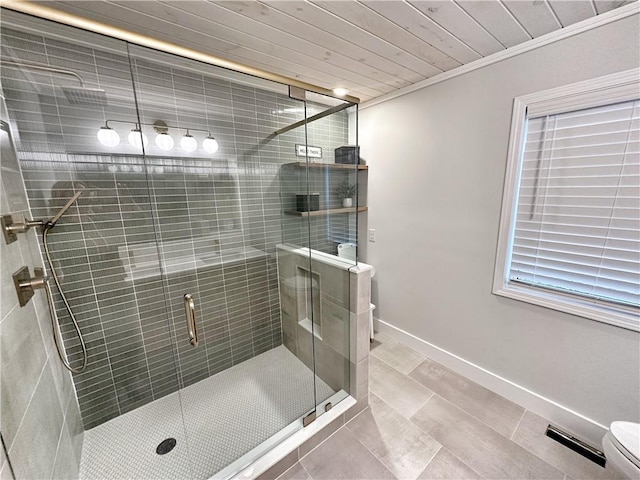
[(437, 162)]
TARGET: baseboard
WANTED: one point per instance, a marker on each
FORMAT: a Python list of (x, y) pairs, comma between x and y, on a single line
[(582, 427)]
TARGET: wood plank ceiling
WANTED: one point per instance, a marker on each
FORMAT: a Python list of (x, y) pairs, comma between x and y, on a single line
[(367, 47)]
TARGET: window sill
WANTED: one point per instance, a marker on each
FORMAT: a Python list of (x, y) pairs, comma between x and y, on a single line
[(600, 312)]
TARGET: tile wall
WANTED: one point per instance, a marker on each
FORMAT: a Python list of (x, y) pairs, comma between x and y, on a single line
[(340, 296), (40, 420), (148, 229)]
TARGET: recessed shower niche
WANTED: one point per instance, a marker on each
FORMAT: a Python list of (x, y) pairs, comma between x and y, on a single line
[(166, 241), (301, 302)]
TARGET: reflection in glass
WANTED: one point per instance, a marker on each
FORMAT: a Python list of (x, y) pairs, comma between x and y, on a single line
[(171, 211)]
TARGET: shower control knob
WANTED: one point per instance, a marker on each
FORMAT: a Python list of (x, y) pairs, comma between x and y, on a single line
[(39, 279), (26, 284), (11, 228)]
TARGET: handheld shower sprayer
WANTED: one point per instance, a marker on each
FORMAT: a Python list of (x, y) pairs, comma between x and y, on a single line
[(64, 209), (11, 229), (47, 226)]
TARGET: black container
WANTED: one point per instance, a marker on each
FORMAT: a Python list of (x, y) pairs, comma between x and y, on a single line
[(349, 155), (314, 202)]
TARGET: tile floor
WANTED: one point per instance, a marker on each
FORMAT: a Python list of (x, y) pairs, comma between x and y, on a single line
[(214, 421), (427, 422)]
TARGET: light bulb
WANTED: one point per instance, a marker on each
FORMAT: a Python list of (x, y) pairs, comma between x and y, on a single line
[(164, 141), (134, 138), (108, 137), (340, 92), (188, 143), (210, 144)]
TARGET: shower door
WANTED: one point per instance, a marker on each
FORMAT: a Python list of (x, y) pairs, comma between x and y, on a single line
[(217, 220), (72, 108), (168, 258)]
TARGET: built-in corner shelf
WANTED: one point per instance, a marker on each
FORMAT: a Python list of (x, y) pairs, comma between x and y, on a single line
[(337, 166), (317, 213)]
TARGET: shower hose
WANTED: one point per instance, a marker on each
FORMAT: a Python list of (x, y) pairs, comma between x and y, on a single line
[(57, 334)]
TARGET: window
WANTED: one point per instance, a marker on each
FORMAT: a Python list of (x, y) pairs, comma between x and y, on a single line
[(570, 226)]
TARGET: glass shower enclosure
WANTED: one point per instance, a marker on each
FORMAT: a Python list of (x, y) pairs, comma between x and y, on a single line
[(195, 184)]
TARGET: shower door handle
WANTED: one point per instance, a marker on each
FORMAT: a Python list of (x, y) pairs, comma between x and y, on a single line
[(190, 313)]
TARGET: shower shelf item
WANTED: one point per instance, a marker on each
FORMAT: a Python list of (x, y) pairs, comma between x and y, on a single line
[(317, 213)]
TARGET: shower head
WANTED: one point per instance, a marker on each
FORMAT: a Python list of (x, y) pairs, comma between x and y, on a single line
[(85, 96), (75, 95), (64, 209)]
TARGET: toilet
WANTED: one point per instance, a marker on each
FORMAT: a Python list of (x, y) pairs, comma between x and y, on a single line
[(622, 448), (348, 251)]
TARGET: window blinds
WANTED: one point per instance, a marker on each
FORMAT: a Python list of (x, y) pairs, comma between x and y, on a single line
[(578, 214)]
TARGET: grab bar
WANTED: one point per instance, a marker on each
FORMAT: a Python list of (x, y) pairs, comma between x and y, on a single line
[(190, 313)]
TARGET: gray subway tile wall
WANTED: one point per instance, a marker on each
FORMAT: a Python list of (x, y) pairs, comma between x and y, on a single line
[(150, 228)]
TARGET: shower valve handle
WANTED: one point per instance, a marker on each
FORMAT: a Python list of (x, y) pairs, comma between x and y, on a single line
[(10, 229), (26, 284)]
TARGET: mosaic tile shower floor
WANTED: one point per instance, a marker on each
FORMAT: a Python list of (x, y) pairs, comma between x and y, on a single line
[(225, 416)]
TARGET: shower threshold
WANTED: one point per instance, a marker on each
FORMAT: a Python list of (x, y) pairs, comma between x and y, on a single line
[(221, 424)]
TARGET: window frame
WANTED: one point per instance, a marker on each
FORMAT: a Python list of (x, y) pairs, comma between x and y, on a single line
[(609, 89)]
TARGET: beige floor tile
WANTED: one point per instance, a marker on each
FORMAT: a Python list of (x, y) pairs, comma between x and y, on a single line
[(531, 435), (446, 466), (499, 413), (342, 456), (483, 449), (398, 390), (399, 356), (401, 446), (297, 472)]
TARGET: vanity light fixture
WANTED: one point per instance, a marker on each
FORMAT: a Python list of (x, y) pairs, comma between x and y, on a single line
[(137, 138), (110, 138), (164, 141), (210, 144), (188, 142)]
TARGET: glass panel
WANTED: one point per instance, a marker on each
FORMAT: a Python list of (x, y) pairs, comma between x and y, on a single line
[(218, 224), (333, 241), (63, 86), (191, 187), (316, 318)]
